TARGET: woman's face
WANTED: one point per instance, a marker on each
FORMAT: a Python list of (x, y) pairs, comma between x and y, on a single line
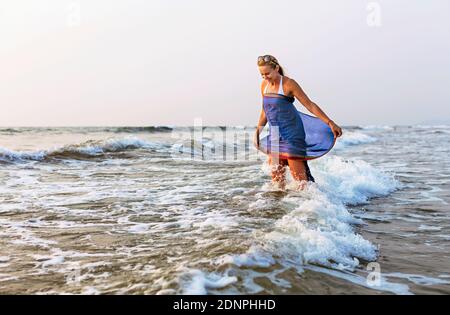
[(268, 73)]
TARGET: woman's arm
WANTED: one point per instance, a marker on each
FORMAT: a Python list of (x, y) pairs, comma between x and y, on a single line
[(262, 120), (313, 107), (261, 123)]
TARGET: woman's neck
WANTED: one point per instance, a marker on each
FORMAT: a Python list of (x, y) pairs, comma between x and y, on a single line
[(276, 81)]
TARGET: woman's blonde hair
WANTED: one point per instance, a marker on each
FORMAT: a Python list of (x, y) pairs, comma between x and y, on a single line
[(270, 60)]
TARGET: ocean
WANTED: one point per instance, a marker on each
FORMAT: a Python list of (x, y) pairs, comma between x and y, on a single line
[(181, 210)]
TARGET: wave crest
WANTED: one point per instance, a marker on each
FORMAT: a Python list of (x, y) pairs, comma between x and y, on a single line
[(85, 150)]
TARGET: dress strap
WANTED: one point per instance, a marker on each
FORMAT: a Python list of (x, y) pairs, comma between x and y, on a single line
[(280, 88)]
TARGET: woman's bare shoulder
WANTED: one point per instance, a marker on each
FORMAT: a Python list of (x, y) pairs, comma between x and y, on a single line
[(288, 81), (289, 85)]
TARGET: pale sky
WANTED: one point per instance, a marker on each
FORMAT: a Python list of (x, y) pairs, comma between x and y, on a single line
[(142, 63)]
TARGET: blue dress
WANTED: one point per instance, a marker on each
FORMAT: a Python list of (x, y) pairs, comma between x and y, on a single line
[(300, 136)]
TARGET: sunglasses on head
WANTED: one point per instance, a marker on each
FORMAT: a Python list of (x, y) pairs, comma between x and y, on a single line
[(266, 58)]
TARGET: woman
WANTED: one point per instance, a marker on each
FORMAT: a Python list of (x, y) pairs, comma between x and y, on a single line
[(294, 137)]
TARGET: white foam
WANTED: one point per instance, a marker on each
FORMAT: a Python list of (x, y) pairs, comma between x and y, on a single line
[(377, 127), (319, 229), (9, 155), (139, 228), (217, 220), (166, 292), (7, 277), (4, 259), (444, 236), (254, 257), (351, 138), (91, 291), (196, 282), (384, 285), (259, 204), (417, 279), (113, 145), (424, 227), (352, 181), (22, 236), (53, 261), (90, 148), (440, 126)]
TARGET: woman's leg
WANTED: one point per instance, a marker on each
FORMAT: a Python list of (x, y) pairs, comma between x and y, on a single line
[(278, 168), (300, 171), (308, 173)]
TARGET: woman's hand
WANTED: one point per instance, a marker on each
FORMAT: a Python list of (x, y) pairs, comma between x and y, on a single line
[(337, 131), (256, 139)]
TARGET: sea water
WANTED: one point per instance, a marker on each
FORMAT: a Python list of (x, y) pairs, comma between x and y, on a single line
[(168, 210)]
